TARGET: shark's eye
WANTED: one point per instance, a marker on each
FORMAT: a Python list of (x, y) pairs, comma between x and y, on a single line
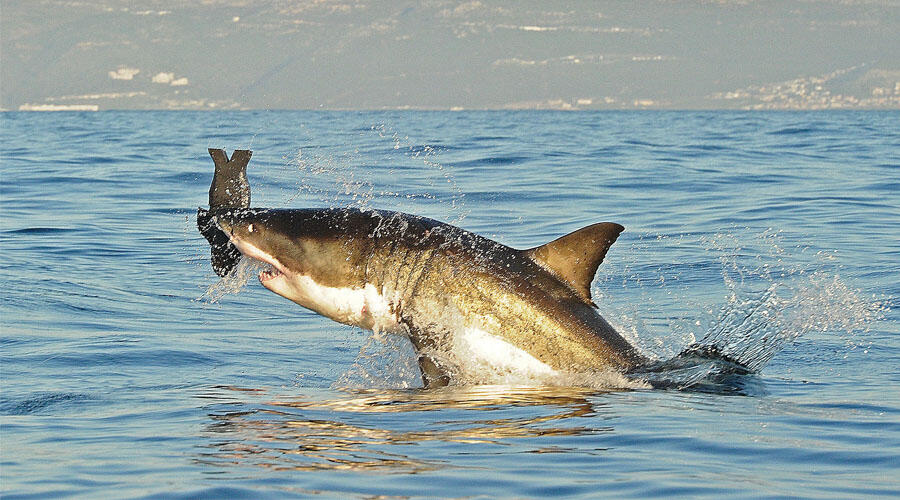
[(250, 228)]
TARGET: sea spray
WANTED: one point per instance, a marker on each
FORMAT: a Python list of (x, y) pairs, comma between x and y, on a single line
[(244, 272), (771, 292), (385, 360), (340, 181), (802, 295)]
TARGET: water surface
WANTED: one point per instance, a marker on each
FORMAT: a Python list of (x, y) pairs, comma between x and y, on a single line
[(128, 370)]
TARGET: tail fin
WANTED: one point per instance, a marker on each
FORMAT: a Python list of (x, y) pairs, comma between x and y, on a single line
[(696, 354), (695, 366), (229, 189), (229, 185)]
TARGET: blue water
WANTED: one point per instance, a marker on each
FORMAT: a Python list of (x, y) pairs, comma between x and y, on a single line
[(127, 369)]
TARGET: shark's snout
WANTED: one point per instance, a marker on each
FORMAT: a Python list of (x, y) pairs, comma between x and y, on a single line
[(247, 233), (235, 222), (223, 224)]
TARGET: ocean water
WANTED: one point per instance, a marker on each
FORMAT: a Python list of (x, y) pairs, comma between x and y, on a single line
[(129, 370)]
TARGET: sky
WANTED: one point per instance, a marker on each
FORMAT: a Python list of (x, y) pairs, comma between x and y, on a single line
[(437, 54)]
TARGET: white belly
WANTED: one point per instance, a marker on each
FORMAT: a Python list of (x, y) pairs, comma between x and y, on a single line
[(477, 355), (487, 358), (366, 307)]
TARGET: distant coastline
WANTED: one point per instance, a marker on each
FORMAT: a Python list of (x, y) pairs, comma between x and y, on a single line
[(59, 107)]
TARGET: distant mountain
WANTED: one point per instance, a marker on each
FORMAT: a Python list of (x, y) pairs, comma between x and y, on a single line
[(437, 54)]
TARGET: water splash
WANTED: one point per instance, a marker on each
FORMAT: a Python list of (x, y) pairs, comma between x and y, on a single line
[(772, 296), (800, 297), (751, 328), (341, 181), (246, 270), (346, 184), (385, 361)]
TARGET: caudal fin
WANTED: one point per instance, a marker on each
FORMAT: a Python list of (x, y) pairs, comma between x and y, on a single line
[(698, 364)]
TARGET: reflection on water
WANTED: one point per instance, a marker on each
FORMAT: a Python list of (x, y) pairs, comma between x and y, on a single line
[(299, 433)]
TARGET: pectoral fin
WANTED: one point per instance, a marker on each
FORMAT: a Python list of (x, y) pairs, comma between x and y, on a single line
[(432, 373)]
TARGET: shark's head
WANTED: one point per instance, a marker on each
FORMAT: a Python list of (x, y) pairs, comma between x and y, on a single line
[(305, 248)]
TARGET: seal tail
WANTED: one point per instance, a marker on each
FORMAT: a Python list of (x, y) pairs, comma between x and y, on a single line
[(229, 189)]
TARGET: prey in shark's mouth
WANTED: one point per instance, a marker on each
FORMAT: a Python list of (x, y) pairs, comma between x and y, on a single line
[(241, 236)]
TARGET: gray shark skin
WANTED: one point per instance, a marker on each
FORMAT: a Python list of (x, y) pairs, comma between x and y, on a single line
[(397, 272)]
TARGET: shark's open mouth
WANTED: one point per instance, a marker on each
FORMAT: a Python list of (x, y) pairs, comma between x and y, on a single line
[(273, 269), (271, 273)]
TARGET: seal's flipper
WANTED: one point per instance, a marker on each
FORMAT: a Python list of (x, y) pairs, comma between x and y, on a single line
[(229, 189)]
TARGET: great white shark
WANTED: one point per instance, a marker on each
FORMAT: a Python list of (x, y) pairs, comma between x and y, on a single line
[(452, 292), (441, 285)]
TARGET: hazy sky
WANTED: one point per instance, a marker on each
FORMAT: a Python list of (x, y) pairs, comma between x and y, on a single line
[(340, 54)]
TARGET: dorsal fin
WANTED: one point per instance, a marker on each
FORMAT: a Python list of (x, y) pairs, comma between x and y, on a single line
[(574, 258)]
